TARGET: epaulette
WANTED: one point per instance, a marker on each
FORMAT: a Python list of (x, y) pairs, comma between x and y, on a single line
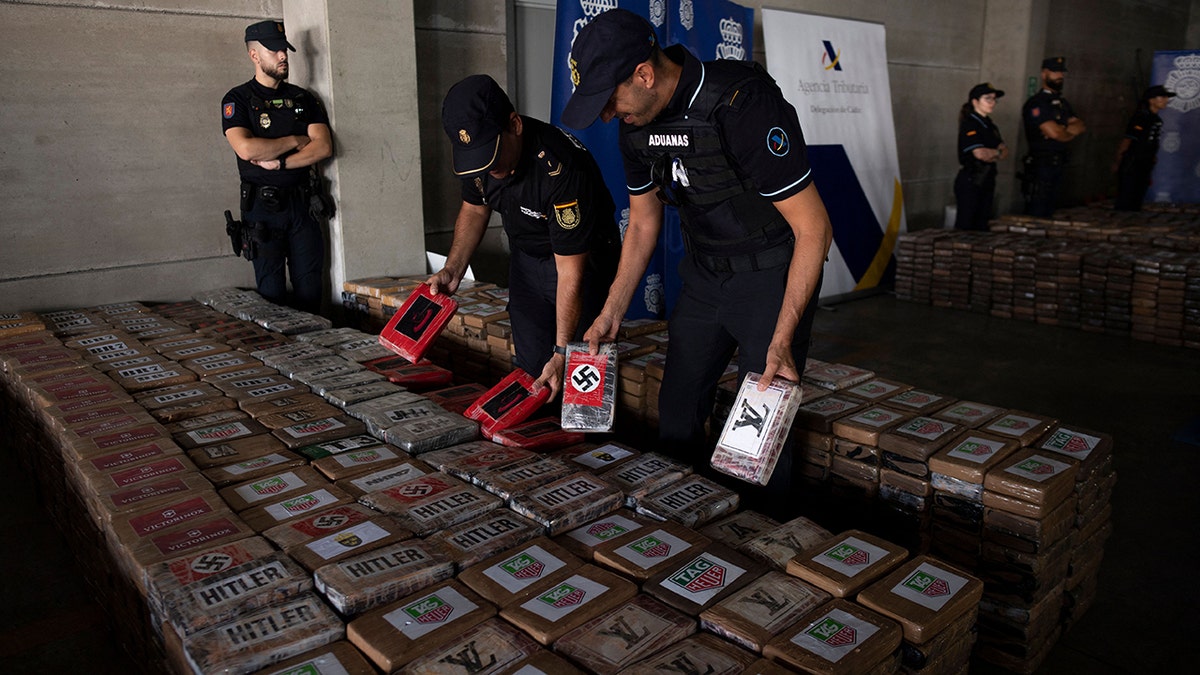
[(549, 163)]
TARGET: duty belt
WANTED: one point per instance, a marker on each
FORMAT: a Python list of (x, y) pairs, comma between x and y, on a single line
[(775, 256)]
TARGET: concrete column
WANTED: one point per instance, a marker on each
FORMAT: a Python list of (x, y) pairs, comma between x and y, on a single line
[(1014, 39), (360, 59)]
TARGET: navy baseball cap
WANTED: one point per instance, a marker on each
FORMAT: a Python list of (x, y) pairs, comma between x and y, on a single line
[(985, 88), (474, 113), (604, 55), (270, 34), (1055, 64), (1157, 90)]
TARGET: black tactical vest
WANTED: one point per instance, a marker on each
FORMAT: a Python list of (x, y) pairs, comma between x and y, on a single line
[(722, 212)]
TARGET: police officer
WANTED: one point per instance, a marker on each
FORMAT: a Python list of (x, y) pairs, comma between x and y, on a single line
[(717, 139), (1050, 125), (979, 148), (1139, 149), (279, 132), (556, 211)]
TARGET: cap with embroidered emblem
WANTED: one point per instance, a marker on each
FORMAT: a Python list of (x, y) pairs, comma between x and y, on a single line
[(985, 88), (1155, 91), (604, 55), (1055, 64), (474, 113), (271, 34)]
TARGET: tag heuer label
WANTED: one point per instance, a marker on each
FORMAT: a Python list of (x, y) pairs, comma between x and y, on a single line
[(834, 635), (325, 664), (313, 428), (975, 449), (564, 598), (255, 464), (519, 572), (1038, 468), (386, 478), (1013, 425), (302, 504), (347, 540), (702, 579), (930, 586), (269, 487), (430, 613), (875, 417), (652, 549), (369, 456), (1071, 443), (601, 531), (601, 456), (873, 389), (221, 432), (926, 428), (850, 556)]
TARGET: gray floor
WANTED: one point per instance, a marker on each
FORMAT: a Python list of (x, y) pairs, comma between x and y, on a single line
[(1143, 394)]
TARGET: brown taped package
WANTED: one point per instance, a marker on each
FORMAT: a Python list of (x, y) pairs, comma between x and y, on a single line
[(336, 657), (642, 475), (925, 595), (488, 456), (651, 552), (203, 534), (99, 482), (193, 409), (1021, 426), (781, 543), (1028, 534), (551, 610), (104, 507), (362, 461), (693, 501), (846, 563), (876, 389), (838, 638), (430, 503), (704, 579), (762, 609), (78, 422), (114, 461), (251, 469), (1090, 449), (151, 376), (269, 635), (318, 524), (383, 575), (865, 426), (969, 414), (598, 458), (282, 404), (510, 576), (218, 433), (697, 654), (522, 477), (207, 420), (217, 364), (387, 473), (201, 349), (1035, 477), (348, 542), (118, 440), (819, 415), (319, 431), (487, 648), (252, 493), (260, 387), (486, 535), (918, 402), (263, 581), (131, 528), (568, 502), (738, 528), (395, 634), (170, 576), (308, 412), (625, 635), (971, 455), (234, 451), (542, 663), (294, 506), (919, 437), (585, 539), (848, 449)]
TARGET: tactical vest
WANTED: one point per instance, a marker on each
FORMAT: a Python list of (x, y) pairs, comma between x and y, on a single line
[(722, 212), (285, 116)]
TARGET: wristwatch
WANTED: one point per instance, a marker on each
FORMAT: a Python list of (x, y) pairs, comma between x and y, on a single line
[(560, 350), (282, 163)]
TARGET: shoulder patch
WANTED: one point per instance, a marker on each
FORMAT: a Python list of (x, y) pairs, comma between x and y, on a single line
[(567, 214), (227, 110), (1036, 112), (777, 142), (972, 132)]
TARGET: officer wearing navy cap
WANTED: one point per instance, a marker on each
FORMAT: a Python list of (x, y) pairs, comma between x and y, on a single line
[(1050, 125), (1138, 150), (718, 140), (279, 132), (979, 148), (558, 216)]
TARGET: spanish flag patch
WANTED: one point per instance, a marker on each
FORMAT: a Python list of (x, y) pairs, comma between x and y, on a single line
[(567, 215)]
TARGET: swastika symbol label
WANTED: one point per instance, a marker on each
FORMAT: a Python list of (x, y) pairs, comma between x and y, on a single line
[(212, 562), (586, 378)]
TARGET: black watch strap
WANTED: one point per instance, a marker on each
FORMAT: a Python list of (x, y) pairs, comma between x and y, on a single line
[(560, 350)]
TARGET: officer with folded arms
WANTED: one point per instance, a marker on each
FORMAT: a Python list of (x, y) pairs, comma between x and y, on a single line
[(279, 132), (718, 140), (558, 216), (1050, 126)]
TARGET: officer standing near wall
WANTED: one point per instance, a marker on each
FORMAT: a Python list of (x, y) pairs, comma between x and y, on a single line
[(979, 148), (279, 132), (1050, 124), (1138, 151), (717, 139), (557, 213)]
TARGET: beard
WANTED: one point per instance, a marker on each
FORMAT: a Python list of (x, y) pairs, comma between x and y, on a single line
[(279, 71), (1055, 84)]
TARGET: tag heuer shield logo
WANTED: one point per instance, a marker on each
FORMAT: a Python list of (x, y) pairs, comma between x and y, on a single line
[(270, 487), (429, 610), (524, 566), (651, 547), (564, 596), (849, 555), (699, 576), (833, 633)]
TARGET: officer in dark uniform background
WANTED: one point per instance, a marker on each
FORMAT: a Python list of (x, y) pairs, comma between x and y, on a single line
[(718, 139), (557, 214), (1138, 151), (1050, 124), (979, 148), (279, 132)]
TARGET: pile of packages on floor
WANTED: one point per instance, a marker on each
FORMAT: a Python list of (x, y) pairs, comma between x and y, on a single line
[(249, 488)]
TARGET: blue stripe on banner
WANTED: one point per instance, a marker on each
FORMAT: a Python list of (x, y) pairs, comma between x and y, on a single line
[(856, 230)]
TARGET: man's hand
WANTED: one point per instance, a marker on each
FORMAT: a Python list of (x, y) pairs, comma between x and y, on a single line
[(603, 329), (552, 375), (444, 281), (268, 164), (779, 364)]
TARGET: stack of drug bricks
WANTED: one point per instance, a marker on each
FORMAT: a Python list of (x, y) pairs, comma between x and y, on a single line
[(226, 513), (1018, 499), (1090, 268)]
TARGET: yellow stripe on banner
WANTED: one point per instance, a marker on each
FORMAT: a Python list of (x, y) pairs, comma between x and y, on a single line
[(884, 254)]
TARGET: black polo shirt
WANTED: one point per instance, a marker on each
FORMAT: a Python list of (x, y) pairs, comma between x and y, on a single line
[(556, 201), (271, 113), (976, 131), (1045, 106), (1143, 132), (750, 134)]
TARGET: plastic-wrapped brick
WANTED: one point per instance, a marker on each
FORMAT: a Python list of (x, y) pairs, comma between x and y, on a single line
[(354, 463), (430, 503), (347, 542), (651, 552), (481, 537), (489, 647), (699, 653), (424, 434), (645, 474), (509, 576), (383, 575), (555, 609), (390, 475), (1034, 477), (318, 524), (838, 638), (600, 458), (417, 323), (754, 434), (847, 563), (514, 479), (757, 612), (589, 395), (780, 544), (567, 502), (693, 501), (703, 580), (739, 528), (626, 635), (585, 539), (969, 413), (222, 597), (925, 596), (542, 435)]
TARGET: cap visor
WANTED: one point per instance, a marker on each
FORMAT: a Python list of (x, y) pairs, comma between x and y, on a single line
[(583, 109), (277, 45), (999, 93), (471, 161)]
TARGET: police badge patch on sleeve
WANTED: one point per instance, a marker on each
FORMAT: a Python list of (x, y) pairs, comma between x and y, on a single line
[(567, 215), (227, 110)]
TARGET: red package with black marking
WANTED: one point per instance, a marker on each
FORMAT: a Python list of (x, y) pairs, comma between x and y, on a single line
[(417, 323), (510, 402), (411, 376)]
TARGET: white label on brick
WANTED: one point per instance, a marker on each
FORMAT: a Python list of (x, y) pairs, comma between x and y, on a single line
[(602, 456), (975, 449), (255, 464), (602, 530), (524, 569), (565, 598), (430, 613), (850, 556), (347, 540), (269, 487), (302, 504), (835, 635), (1038, 468), (930, 586)]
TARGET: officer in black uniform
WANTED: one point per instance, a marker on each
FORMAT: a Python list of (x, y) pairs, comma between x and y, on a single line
[(979, 148), (717, 139), (556, 211), (279, 132), (1139, 149), (1050, 125)]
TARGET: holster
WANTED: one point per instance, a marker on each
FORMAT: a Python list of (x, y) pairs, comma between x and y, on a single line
[(240, 237)]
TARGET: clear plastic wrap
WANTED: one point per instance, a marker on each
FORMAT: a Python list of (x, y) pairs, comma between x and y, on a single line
[(754, 434), (589, 395)]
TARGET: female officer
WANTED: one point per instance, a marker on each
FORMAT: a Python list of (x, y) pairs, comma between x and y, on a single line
[(979, 148), (1139, 149)]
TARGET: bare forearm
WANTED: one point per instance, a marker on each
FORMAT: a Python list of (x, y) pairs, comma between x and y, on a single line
[(469, 229), (636, 250), (568, 298), (254, 149)]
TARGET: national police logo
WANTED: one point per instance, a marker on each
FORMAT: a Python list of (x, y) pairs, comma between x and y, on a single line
[(264, 121), (687, 14), (574, 72), (777, 142), (1184, 80), (227, 110), (464, 136), (567, 215)]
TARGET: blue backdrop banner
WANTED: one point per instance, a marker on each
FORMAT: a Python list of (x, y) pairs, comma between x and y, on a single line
[(1177, 174)]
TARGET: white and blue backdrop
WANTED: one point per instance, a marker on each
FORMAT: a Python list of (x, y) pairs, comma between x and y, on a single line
[(1176, 176)]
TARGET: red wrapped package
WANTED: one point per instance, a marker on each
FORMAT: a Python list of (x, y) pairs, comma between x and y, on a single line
[(414, 377), (417, 323), (508, 403)]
